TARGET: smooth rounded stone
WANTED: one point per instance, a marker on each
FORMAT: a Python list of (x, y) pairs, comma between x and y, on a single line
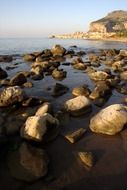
[(32, 101), (28, 84), (77, 60), (81, 91), (87, 158), (29, 57), (76, 135), (28, 163), (44, 65), (123, 53), (38, 70), (3, 74), (101, 90), (58, 74), (58, 50), (45, 108), (18, 79), (93, 57), (6, 58), (98, 75), (118, 64), (78, 106), (79, 66), (123, 75), (110, 120), (59, 89), (36, 127), (11, 95)]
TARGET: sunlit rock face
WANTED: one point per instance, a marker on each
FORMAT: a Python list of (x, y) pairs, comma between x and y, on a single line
[(114, 21)]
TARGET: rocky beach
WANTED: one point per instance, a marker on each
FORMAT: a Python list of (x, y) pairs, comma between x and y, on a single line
[(63, 119)]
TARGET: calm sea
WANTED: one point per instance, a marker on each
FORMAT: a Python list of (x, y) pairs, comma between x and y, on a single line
[(25, 45)]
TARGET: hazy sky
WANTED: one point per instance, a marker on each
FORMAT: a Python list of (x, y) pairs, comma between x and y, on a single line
[(38, 18)]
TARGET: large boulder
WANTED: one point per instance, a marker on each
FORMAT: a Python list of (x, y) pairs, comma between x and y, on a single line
[(109, 120), (98, 75), (28, 163), (58, 50), (11, 95), (3, 74), (36, 126), (78, 106)]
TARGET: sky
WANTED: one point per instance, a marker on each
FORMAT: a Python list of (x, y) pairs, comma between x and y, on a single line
[(41, 18)]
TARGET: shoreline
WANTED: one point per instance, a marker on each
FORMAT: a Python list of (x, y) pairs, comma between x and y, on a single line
[(124, 40)]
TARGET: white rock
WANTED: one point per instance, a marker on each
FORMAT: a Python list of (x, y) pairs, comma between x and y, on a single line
[(45, 108), (36, 126), (110, 120), (78, 106)]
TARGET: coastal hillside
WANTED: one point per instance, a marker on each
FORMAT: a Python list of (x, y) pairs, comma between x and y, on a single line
[(114, 22), (113, 26)]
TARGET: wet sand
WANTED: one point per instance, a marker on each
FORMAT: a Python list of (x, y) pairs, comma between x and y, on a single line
[(66, 171)]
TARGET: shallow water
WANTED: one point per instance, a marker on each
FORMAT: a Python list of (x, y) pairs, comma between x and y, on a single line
[(110, 169), (24, 45)]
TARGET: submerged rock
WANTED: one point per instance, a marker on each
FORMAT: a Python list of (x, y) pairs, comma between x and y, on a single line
[(28, 163), (3, 74), (59, 90), (76, 135), (109, 120), (6, 58), (87, 158), (81, 91), (78, 106), (11, 95), (36, 126), (101, 90), (59, 74), (58, 50)]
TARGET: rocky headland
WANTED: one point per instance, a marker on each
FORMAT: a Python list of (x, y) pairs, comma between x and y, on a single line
[(111, 27)]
